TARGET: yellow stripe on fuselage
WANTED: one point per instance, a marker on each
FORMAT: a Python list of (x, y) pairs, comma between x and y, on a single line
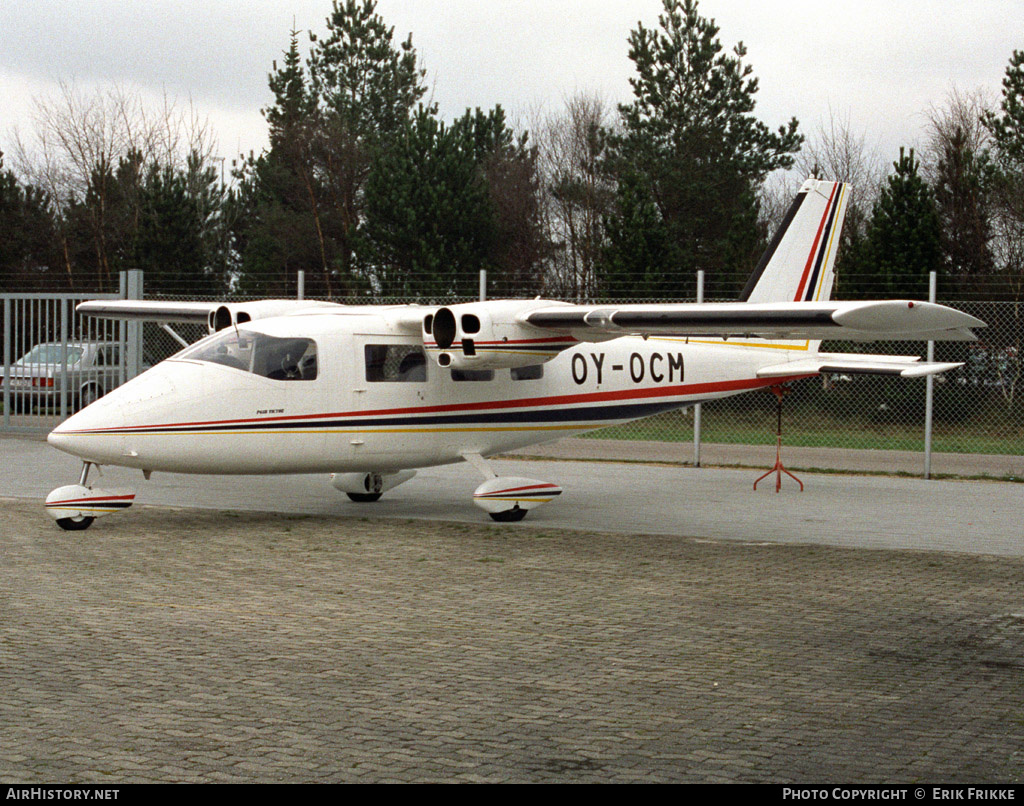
[(372, 430), (767, 345)]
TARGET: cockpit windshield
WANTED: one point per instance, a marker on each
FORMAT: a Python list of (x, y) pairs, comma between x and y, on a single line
[(274, 357)]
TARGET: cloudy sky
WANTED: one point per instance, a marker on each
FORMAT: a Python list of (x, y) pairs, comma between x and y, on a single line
[(881, 64)]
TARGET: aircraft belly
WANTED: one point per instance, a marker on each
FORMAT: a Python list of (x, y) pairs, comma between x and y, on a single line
[(243, 453)]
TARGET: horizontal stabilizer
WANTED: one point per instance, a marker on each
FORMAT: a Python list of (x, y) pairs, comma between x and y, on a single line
[(855, 364)]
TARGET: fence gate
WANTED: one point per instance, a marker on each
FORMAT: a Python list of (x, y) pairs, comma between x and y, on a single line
[(55, 361)]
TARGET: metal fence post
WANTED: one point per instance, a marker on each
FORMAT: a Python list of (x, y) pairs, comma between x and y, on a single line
[(483, 284), (7, 362), (929, 393), (122, 335), (696, 406), (65, 308), (134, 358), (300, 284)]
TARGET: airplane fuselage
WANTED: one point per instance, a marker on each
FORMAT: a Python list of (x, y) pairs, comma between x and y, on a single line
[(361, 410)]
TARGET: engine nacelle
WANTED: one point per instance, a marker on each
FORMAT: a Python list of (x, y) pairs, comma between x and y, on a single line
[(231, 314), (489, 335)]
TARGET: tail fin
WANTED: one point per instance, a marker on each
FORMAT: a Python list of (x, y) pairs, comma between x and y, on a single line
[(798, 265)]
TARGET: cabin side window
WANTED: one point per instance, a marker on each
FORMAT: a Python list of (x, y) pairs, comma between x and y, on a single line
[(533, 372), (395, 363), (472, 374)]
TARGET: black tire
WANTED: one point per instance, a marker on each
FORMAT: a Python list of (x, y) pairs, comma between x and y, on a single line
[(509, 515), (364, 498), (71, 525)]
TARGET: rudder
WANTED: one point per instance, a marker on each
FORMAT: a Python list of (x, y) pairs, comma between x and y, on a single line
[(799, 263)]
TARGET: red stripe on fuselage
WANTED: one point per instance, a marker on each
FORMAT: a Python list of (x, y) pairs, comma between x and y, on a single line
[(554, 400)]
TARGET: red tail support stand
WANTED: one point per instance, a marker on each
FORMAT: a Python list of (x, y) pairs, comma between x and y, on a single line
[(779, 391)]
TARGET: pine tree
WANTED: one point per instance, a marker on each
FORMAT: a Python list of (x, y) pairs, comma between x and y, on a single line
[(293, 104), (1007, 129), (903, 241), (283, 223), (962, 187), (302, 205), (29, 255), (358, 77), (429, 227), (691, 134), (508, 165), (171, 243), (637, 255)]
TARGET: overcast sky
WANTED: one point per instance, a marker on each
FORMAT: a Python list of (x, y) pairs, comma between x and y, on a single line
[(881, 64)]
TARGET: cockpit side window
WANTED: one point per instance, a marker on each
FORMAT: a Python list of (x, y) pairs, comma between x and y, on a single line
[(274, 357), (284, 359)]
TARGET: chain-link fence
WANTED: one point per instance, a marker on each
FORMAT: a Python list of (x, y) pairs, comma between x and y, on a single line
[(977, 409)]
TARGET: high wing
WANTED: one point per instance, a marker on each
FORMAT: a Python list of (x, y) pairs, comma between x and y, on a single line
[(149, 310), (215, 315), (886, 320)]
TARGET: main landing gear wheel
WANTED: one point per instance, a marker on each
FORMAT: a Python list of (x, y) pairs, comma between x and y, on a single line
[(509, 515), (365, 488), (71, 525), (364, 498), (507, 499)]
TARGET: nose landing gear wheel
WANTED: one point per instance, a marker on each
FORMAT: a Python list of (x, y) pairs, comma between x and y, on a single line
[(75, 506)]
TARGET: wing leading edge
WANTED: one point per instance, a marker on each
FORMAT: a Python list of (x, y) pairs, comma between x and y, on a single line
[(886, 320), (215, 315)]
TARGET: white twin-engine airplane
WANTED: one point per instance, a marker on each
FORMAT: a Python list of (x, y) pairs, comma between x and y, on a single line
[(369, 393)]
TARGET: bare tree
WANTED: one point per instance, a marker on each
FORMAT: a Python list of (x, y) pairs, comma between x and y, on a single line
[(835, 151), (576, 191), (960, 118), (81, 140), (832, 151), (959, 169)]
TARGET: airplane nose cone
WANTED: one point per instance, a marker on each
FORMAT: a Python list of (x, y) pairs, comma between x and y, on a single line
[(91, 432), (58, 439), (96, 433)]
